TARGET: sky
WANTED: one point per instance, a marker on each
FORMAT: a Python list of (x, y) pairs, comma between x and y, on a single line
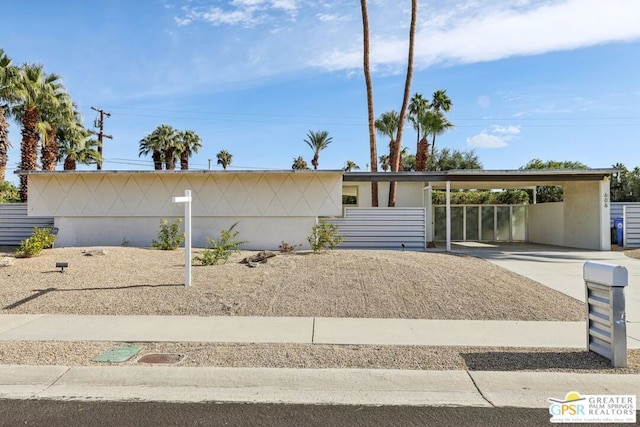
[(546, 79)]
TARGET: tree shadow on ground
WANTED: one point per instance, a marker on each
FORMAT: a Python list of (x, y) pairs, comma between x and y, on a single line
[(40, 292)]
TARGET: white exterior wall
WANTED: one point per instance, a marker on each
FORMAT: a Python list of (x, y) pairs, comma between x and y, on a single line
[(111, 208), (546, 223), (586, 215), (408, 194)]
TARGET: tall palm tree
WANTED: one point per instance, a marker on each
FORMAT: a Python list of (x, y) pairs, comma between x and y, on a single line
[(189, 143), (440, 102), (384, 162), (371, 115), (299, 163), (351, 165), (395, 165), (36, 92), (224, 158), (317, 141), (387, 125), (418, 107), (435, 124)]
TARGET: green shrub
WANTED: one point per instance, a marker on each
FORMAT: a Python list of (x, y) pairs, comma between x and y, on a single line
[(169, 236), (41, 238), (324, 236), (9, 193), (221, 249)]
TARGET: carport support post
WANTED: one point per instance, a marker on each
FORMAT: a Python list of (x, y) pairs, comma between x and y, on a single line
[(448, 215), (187, 234)]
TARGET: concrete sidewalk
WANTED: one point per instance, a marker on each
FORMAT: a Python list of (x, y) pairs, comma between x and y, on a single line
[(310, 386), (306, 330)]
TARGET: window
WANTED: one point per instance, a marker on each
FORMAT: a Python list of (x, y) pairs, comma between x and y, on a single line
[(350, 196)]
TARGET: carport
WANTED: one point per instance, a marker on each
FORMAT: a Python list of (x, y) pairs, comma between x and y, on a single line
[(582, 220)]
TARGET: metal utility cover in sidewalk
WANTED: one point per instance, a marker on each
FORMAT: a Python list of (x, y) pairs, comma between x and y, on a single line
[(118, 354)]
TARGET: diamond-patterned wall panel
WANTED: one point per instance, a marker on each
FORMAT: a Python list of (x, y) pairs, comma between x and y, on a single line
[(216, 194)]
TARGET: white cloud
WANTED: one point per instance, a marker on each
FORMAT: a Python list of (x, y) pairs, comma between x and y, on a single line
[(478, 31), (498, 137), (294, 35), (511, 130), (485, 140), (239, 12)]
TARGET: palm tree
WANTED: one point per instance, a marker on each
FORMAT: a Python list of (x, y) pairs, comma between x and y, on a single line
[(395, 165), (190, 143), (8, 74), (317, 141), (384, 162), (52, 120), (418, 107), (224, 158), (75, 145), (36, 92), (435, 124), (299, 163), (170, 141), (350, 165), (371, 115), (387, 125), (440, 102), (162, 144)]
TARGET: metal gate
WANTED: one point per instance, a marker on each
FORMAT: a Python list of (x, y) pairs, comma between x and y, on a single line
[(16, 225), (382, 228)]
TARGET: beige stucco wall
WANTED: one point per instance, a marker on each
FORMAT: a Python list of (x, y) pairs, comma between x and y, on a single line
[(546, 223), (586, 215), (111, 208), (581, 221)]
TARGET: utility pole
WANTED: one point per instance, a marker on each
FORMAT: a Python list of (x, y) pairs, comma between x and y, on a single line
[(99, 123)]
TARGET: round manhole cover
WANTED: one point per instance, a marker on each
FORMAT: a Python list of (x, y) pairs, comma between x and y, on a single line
[(161, 358)]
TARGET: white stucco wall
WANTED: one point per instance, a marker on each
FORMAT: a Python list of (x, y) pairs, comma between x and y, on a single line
[(111, 208), (546, 223), (586, 215)]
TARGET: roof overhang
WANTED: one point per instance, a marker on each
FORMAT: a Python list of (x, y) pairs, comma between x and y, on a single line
[(485, 179)]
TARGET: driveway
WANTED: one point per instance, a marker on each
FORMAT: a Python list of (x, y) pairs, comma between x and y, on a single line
[(560, 269)]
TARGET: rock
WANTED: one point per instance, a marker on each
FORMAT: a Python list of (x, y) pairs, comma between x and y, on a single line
[(6, 262), (261, 257), (94, 252)]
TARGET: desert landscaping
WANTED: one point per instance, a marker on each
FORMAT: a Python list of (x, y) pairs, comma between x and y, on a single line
[(340, 283)]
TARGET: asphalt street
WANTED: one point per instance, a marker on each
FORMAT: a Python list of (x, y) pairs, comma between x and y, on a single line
[(73, 413)]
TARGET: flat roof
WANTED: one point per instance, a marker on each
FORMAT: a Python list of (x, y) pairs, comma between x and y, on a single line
[(481, 178)]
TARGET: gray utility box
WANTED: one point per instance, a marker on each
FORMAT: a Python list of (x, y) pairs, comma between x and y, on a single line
[(606, 319)]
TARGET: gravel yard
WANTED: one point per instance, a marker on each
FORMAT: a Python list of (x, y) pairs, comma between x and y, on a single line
[(383, 284), (340, 283)]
